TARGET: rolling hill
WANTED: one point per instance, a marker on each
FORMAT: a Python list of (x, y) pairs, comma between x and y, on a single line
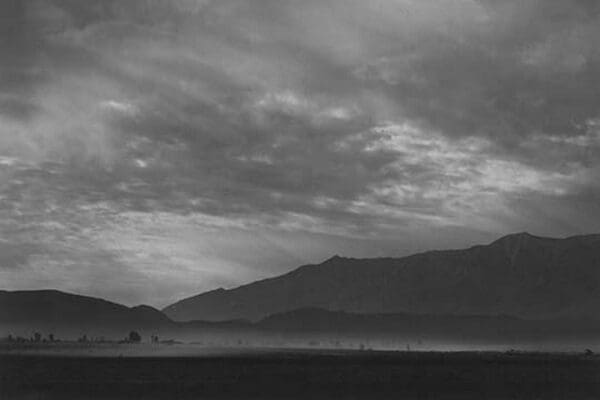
[(69, 314)]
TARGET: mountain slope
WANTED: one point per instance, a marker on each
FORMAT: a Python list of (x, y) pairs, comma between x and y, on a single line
[(498, 328), (69, 314), (520, 274)]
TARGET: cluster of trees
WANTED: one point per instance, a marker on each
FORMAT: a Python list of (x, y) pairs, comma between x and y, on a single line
[(133, 337), (98, 339), (35, 338)]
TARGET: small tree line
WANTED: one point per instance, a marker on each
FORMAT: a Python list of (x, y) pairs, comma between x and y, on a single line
[(37, 337)]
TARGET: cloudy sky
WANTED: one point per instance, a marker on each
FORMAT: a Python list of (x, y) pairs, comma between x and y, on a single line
[(154, 149)]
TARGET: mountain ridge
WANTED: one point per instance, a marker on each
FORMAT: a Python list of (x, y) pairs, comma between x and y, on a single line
[(519, 274)]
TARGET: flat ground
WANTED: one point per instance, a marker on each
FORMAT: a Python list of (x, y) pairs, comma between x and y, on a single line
[(300, 375)]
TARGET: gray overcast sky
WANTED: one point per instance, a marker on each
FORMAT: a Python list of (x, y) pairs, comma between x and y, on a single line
[(154, 149)]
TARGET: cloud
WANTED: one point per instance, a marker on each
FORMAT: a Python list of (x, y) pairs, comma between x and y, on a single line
[(362, 124), (14, 255)]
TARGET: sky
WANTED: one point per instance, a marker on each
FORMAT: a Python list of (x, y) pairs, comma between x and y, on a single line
[(154, 149)]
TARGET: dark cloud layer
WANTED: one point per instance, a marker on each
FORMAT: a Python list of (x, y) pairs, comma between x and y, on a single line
[(135, 136)]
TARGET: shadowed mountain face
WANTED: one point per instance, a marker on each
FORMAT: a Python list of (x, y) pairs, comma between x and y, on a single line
[(64, 312), (449, 328), (520, 275)]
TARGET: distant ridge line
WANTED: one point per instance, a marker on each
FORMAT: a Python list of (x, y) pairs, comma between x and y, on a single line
[(518, 274)]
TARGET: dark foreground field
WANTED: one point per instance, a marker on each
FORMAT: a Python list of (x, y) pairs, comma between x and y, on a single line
[(303, 375)]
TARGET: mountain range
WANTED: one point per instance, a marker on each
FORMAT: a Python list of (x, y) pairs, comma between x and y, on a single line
[(68, 316), (516, 287), (521, 275)]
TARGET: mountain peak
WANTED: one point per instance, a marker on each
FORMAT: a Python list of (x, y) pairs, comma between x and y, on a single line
[(520, 237), (145, 307), (523, 234), (336, 257)]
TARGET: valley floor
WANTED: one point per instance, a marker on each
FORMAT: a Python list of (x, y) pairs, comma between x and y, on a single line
[(260, 374)]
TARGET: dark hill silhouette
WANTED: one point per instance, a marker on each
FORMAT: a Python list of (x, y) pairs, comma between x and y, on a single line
[(523, 275), (66, 313), (150, 315)]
